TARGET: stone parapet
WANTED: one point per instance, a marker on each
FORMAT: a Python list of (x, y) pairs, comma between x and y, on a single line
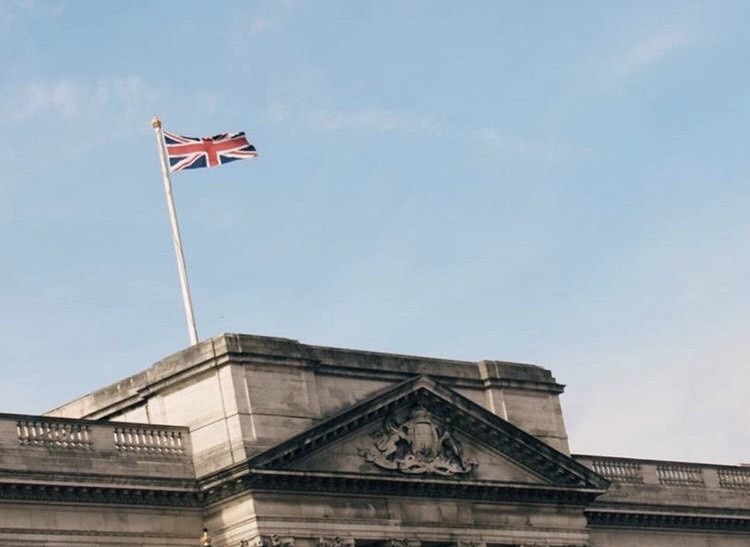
[(284, 352), (660, 495), (694, 483), (46, 446)]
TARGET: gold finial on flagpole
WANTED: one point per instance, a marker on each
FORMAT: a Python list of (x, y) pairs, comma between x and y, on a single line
[(156, 122)]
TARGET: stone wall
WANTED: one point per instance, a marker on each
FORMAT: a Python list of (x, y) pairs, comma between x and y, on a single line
[(242, 394), (664, 503), (371, 520), (84, 483)]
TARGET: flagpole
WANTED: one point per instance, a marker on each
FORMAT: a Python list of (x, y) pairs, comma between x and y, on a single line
[(176, 240)]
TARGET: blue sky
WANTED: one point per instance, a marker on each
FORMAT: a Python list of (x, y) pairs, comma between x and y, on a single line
[(564, 183)]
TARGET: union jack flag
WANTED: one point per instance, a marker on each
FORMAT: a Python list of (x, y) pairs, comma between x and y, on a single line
[(194, 152)]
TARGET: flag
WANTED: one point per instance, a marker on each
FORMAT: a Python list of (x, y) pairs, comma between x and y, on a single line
[(194, 152)]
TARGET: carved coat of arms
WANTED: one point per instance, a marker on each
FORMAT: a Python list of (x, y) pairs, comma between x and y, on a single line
[(419, 445)]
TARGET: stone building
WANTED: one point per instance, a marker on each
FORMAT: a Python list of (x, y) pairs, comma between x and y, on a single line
[(267, 442)]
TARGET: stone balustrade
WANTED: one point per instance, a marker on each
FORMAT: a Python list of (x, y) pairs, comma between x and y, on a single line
[(734, 477), (53, 434), (680, 474), (618, 470), (667, 473), (45, 443), (147, 439)]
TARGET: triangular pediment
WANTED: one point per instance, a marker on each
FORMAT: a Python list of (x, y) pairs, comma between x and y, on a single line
[(420, 430)]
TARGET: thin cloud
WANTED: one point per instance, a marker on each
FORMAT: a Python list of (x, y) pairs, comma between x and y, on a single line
[(80, 115), (647, 52), (497, 141), (69, 99), (63, 98), (372, 118), (278, 111), (117, 100), (259, 23), (378, 119), (36, 6)]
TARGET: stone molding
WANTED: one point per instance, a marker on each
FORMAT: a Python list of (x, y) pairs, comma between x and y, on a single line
[(406, 486), (99, 494)]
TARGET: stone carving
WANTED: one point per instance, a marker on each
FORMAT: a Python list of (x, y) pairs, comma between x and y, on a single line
[(418, 445), (401, 543), (268, 541), (335, 542)]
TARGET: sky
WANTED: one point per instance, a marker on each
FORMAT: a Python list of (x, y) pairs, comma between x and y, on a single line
[(562, 183)]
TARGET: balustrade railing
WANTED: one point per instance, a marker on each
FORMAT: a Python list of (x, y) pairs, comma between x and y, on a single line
[(53, 434), (680, 474), (628, 472), (738, 477), (148, 440), (100, 439)]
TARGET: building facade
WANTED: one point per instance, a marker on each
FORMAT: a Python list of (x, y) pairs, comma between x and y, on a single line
[(267, 442)]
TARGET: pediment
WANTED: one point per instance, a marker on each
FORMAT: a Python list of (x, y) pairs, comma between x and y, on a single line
[(393, 447), (420, 430)]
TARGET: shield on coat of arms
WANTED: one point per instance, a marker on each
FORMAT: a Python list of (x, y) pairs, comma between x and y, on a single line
[(423, 434)]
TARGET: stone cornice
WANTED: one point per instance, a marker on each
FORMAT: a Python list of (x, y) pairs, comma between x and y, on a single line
[(242, 480), (654, 508), (351, 484), (667, 520), (452, 381), (77, 493)]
